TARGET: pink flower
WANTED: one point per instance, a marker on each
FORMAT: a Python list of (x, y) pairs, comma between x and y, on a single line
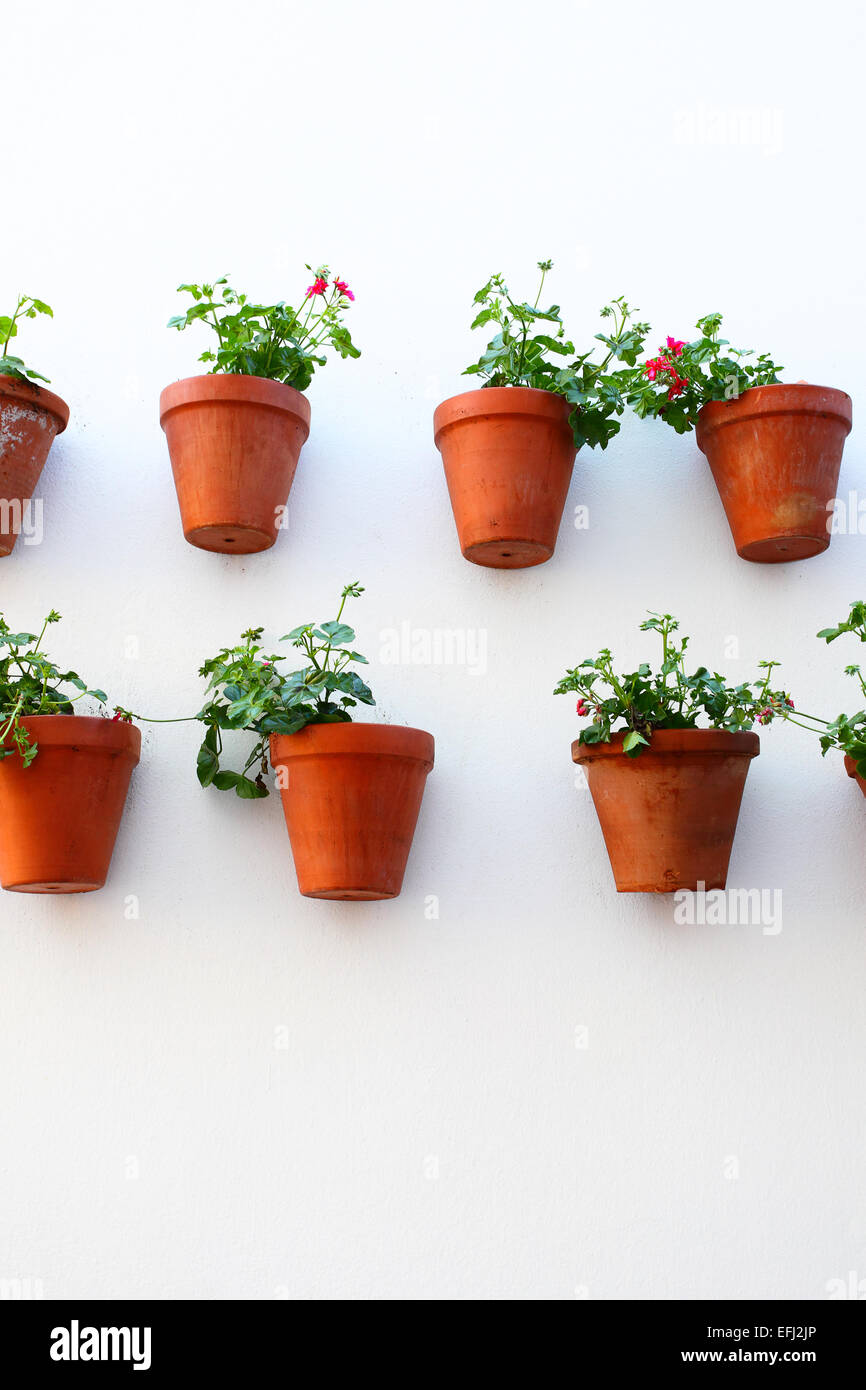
[(319, 286), (344, 289), (789, 702), (675, 346)]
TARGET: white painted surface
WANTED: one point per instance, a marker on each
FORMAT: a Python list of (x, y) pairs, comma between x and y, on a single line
[(244, 1092)]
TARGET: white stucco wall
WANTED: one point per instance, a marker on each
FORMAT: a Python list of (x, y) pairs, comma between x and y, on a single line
[(549, 1091)]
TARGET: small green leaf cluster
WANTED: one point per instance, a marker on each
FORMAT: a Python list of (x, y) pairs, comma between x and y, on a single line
[(250, 693), (847, 732), (27, 307), (646, 700), (30, 683), (271, 340), (684, 376), (530, 349)]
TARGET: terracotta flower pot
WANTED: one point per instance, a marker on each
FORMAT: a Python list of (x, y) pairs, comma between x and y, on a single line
[(668, 816), (30, 418), (508, 454), (851, 769), (775, 454), (351, 799), (234, 444), (59, 817)]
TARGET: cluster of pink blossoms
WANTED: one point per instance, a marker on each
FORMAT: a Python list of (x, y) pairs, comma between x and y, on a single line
[(665, 366), (585, 710), (320, 286), (767, 715)]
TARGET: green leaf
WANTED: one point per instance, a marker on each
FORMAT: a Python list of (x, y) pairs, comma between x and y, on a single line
[(207, 763)]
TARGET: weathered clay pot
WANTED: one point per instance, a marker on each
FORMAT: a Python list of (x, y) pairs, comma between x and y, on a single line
[(30, 420), (775, 453), (851, 769), (508, 454), (351, 795), (669, 815), (234, 444), (59, 817)]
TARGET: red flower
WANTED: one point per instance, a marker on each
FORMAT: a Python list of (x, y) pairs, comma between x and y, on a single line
[(677, 387), (344, 289), (581, 708), (675, 346), (319, 286)]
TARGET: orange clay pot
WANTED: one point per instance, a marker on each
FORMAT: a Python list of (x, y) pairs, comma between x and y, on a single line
[(668, 816), (30, 418), (351, 796), (59, 816), (775, 454), (508, 454), (851, 769), (234, 444)]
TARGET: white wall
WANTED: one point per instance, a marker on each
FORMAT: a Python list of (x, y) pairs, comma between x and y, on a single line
[(431, 1127)]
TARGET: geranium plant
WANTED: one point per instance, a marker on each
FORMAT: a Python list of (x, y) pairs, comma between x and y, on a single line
[(530, 349), (644, 700), (31, 684), (271, 340), (683, 376), (847, 732), (27, 308), (248, 692)]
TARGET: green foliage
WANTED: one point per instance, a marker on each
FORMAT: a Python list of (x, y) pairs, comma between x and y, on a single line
[(530, 349), (645, 700), (271, 340), (847, 732), (27, 307), (684, 376), (31, 684), (251, 694)]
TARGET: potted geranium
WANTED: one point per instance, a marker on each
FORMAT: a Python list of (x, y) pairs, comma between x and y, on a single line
[(667, 792), (351, 793), (508, 449), (846, 733), (775, 448), (63, 779), (235, 435), (30, 420)]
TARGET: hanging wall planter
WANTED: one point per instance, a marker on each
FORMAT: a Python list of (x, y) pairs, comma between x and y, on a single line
[(667, 793), (30, 420), (234, 443), (59, 817), (775, 455), (508, 454), (63, 776), (774, 449), (351, 795), (351, 792), (508, 449), (234, 436), (669, 816)]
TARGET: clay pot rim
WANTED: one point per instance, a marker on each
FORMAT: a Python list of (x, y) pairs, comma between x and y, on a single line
[(670, 742), (850, 766), (500, 400), (36, 395), (234, 387), (381, 740), (82, 731), (779, 398)]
